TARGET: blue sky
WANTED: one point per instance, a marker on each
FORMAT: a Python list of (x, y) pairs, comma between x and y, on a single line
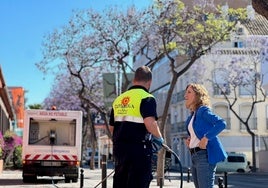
[(23, 26)]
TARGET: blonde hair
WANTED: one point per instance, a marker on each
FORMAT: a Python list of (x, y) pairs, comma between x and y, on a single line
[(202, 96)]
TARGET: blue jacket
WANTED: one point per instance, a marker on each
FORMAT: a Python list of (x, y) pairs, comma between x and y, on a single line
[(209, 124)]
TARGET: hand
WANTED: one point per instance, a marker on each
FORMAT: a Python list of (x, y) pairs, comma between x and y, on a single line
[(187, 141), (203, 143), (157, 144)]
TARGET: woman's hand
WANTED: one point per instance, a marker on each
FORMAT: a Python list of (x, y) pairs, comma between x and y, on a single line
[(203, 143), (187, 141)]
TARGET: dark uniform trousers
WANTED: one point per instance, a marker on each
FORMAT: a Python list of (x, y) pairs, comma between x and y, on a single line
[(133, 164)]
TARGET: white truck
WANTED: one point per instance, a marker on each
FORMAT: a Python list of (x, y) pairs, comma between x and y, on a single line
[(51, 144)]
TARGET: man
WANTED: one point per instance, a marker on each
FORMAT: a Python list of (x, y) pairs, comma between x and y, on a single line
[(133, 125)]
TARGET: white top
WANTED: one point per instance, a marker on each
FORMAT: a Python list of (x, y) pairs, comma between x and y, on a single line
[(194, 141)]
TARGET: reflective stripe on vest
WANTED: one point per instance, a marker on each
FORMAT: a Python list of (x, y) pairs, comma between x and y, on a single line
[(129, 118), (127, 105)]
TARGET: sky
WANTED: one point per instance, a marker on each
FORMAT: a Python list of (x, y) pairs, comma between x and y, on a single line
[(24, 23)]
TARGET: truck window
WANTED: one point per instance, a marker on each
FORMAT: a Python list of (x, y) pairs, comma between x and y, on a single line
[(52, 132), (236, 159)]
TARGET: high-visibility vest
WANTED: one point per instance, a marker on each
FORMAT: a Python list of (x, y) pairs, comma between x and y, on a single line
[(127, 106)]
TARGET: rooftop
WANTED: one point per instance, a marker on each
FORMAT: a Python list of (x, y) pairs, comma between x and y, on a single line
[(257, 26)]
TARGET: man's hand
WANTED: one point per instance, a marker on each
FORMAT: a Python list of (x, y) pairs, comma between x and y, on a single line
[(157, 143)]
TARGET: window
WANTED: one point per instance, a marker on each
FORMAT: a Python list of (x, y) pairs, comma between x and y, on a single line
[(134, 59), (236, 159), (248, 82), (221, 89), (223, 111), (52, 132), (266, 117), (238, 44), (247, 90), (220, 79)]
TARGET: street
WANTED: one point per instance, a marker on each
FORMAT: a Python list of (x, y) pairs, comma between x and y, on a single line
[(92, 178), (247, 180)]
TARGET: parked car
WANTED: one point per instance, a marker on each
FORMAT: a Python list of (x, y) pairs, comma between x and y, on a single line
[(235, 162)]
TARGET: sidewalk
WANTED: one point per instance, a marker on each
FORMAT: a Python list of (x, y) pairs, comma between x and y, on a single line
[(93, 177)]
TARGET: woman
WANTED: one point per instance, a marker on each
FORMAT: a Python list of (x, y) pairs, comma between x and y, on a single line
[(203, 126)]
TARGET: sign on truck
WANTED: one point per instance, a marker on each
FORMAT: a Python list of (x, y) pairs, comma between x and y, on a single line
[(51, 144)]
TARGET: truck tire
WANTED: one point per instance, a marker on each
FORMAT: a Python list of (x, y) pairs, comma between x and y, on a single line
[(68, 180)]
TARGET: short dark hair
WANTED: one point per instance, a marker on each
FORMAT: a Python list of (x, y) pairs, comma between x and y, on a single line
[(143, 73)]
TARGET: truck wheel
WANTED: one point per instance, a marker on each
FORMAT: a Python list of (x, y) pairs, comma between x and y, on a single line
[(67, 180), (241, 170)]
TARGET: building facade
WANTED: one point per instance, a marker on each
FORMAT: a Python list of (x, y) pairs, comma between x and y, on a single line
[(6, 110)]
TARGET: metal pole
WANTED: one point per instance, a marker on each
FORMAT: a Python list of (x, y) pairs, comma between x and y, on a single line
[(104, 171), (220, 182), (225, 179), (82, 178), (188, 174), (161, 182), (99, 146)]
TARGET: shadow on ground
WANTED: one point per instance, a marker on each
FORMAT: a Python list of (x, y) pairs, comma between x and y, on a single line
[(47, 180)]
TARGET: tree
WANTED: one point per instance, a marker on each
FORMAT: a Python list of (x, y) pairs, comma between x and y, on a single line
[(261, 6), (35, 106), (89, 46), (244, 74), (117, 32), (71, 53), (93, 40), (183, 35), (11, 142), (64, 95)]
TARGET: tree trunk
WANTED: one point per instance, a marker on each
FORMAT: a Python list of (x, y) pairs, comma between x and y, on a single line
[(93, 141), (254, 168), (161, 155)]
